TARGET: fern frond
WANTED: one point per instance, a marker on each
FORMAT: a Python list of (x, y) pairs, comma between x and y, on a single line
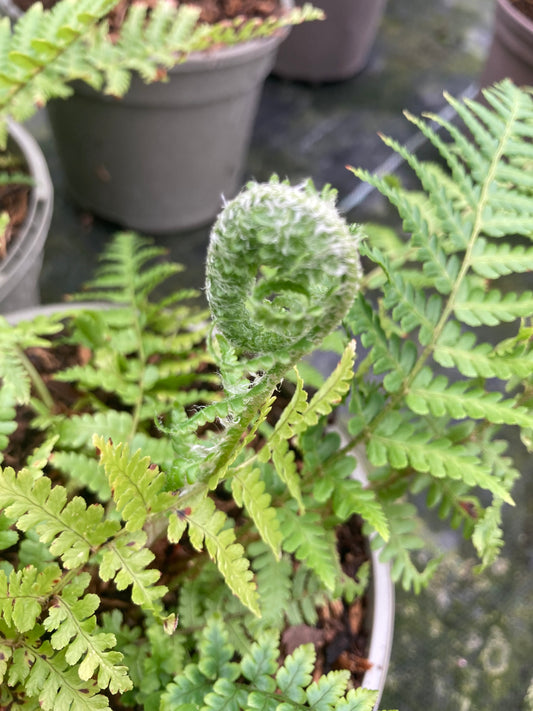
[(404, 539), (435, 395), (476, 308), (457, 349), (125, 560), (57, 686), (24, 593), (248, 490), (136, 484), (72, 622), (264, 685), (126, 274), (72, 530), (331, 392), (402, 444), (15, 369), (491, 260), (306, 537), (209, 527), (77, 432), (85, 471), (273, 583), (393, 355)]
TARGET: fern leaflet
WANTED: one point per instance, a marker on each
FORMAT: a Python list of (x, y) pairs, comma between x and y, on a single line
[(71, 529)]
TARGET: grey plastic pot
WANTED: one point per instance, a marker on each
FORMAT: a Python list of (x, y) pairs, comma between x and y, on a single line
[(511, 52), (332, 49), (20, 270), (162, 158), (9, 9)]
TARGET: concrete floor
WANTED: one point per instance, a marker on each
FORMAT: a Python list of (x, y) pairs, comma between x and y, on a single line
[(466, 643)]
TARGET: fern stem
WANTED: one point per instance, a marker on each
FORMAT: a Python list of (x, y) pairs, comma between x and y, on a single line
[(38, 383)]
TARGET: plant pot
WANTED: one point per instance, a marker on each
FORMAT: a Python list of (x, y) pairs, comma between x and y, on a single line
[(511, 52), (332, 49), (381, 612), (20, 270), (379, 619), (162, 158)]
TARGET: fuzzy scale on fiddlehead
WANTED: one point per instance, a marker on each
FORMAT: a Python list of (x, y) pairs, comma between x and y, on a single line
[(282, 269)]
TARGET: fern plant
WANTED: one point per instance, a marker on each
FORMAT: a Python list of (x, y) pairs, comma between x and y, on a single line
[(172, 445), (49, 49)]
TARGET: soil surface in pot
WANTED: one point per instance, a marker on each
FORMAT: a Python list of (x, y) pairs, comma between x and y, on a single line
[(525, 6), (211, 10), (341, 636)]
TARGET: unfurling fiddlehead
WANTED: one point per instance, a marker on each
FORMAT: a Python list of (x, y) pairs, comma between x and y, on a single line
[(282, 269)]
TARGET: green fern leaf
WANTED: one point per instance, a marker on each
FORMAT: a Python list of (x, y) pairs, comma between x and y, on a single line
[(23, 594), (209, 527), (216, 653), (494, 260), (295, 674), (136, 485), (274, 583), (404, 538), (126, 561), (401, 444), (57, 685), (476, 308), (392, 356), (78, 432), (260, 663), (331, 393), (8, 537), (71, 529), (72, 623), (311, 543), (324, 694), (249, 491), (430, 394), (85, 471), (359, 700), (487, 536), (459, 350), (351, 497), (188, 692)]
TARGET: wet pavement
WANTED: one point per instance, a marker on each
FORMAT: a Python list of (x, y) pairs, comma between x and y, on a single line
[(466, 643)]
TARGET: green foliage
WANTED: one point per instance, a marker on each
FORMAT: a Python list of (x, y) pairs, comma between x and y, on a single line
[(439, 387), (179, 447), (256, 682), (47, 50)]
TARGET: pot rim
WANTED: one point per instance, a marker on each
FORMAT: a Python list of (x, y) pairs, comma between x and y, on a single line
[(34, 229), (517, 16), (383, 609)]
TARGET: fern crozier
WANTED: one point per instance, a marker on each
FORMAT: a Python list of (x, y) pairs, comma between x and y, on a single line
[(282, 268)]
